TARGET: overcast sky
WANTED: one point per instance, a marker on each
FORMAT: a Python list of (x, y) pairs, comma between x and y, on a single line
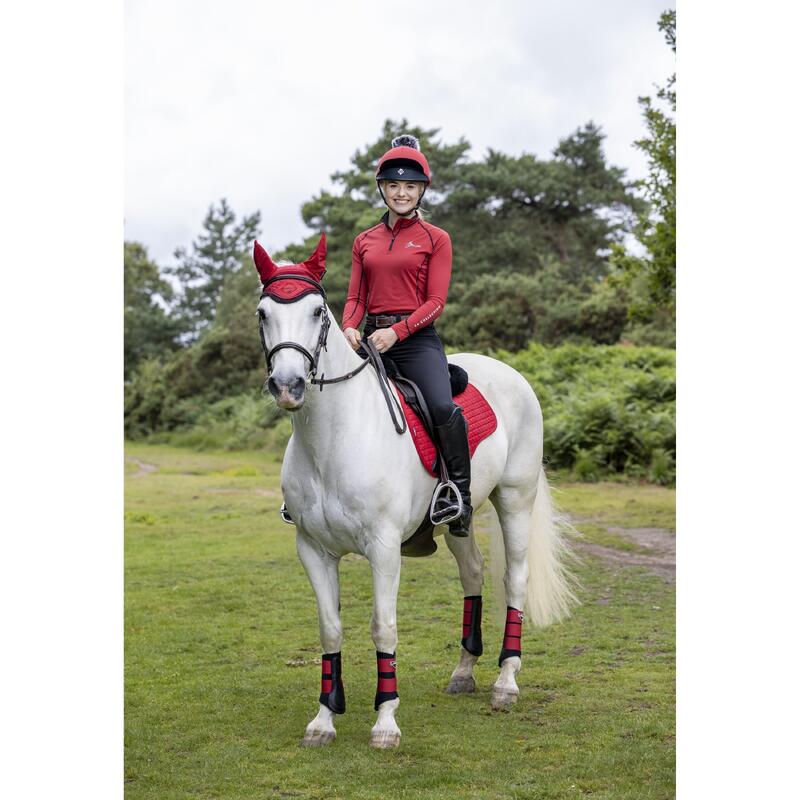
[(260, 101)]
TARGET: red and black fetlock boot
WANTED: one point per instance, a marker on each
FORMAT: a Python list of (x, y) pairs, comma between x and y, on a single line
[(332, 694), (512, 638), (387, 678), (471, 640)]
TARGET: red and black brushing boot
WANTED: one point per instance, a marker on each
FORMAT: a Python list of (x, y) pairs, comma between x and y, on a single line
[(471, 640), (332, 694), (387, 678), (462, 679), (512, 638)]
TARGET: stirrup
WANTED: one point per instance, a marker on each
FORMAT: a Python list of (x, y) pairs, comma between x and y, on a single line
[(285, 514), (442, 517)]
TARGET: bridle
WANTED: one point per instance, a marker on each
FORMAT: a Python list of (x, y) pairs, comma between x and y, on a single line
[(374, 357)]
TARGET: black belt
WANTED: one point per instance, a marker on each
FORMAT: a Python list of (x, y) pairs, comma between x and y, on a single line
[(385, 320)]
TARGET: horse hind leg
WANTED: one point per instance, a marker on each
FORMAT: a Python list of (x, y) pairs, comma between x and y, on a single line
[(513, 506), (470, 570)]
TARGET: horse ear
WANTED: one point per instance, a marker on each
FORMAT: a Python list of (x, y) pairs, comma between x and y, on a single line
[(316, 264), (266, 269)]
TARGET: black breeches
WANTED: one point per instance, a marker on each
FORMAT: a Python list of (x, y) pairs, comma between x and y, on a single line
[(421, 358)]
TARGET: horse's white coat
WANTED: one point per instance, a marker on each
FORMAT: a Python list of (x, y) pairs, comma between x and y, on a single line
[(352, 484)]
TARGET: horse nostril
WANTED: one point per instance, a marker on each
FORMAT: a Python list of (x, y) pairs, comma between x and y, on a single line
[(297, 386), (273, 387)]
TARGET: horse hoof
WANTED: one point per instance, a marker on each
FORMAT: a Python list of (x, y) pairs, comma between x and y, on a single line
[(385, 740), (502, 699), (318, 738), (461, 685)]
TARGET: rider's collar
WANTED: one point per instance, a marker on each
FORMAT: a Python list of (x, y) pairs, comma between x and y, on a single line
[(402, 222)]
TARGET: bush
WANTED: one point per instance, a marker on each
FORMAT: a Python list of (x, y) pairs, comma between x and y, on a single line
[(246, 421), (607, 409)]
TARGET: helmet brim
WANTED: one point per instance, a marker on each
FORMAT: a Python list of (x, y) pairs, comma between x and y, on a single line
[(401, 173)]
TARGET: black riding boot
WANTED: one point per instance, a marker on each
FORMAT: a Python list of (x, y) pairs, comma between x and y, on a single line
[(455, 449)]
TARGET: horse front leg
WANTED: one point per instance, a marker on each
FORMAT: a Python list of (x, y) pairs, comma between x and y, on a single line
[(385, 563), (470, 570), (323, 571)]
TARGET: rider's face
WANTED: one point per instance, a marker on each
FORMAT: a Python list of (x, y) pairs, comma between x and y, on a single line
[(402, 196)]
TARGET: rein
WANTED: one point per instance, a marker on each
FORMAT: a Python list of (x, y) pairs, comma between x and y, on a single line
[(373, 356)]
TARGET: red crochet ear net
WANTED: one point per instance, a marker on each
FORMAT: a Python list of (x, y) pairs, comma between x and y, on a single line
[(286, 290)]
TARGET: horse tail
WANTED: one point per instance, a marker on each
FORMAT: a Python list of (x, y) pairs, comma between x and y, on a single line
[(549, 592), (549, 595)]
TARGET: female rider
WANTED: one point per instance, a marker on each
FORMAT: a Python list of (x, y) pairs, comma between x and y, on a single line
[(401, 274)]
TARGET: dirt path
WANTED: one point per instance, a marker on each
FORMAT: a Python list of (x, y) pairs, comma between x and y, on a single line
[(144, 468), (659, 542)]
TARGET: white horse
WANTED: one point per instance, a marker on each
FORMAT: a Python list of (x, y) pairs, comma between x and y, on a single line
[(353, 485)]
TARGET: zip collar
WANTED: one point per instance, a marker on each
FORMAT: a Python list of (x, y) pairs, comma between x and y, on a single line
[(402, 222)]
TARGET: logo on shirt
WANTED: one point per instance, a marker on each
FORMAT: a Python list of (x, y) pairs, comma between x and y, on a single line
[(412, 244)]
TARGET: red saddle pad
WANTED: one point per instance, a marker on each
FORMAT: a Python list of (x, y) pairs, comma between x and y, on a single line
[(480, 418)]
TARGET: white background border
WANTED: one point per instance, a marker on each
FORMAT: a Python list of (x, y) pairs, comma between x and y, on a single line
[(61, 569)]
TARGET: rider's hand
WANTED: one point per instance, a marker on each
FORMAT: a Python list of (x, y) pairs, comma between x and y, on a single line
[(383, 339), (353, 336)]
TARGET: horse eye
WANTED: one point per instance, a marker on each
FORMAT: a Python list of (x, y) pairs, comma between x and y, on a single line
[(261, 315), (317, 311)]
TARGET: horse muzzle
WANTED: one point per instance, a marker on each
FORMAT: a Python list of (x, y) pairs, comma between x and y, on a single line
[(289, 395)]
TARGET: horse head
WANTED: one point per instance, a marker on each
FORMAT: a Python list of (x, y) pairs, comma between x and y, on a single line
[(293, 320)]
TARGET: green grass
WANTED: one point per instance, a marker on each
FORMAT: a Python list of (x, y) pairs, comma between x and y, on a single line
[(222, 643), (624, 505)]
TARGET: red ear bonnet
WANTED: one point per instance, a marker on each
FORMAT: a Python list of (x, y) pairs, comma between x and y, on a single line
[(287, 290), (266, 269), (316, 264)]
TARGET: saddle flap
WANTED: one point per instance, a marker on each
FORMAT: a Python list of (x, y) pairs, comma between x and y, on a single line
[(478, 414), (413, 397)]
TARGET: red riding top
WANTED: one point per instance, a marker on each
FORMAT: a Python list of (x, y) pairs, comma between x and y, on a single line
[(402, 269)]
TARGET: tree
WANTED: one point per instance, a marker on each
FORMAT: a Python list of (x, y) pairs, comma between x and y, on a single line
[(518, 213), (652, 276), (509, 309), (149, 330), (216, 253)]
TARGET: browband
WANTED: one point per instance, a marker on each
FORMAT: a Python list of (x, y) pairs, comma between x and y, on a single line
[(290, 276)]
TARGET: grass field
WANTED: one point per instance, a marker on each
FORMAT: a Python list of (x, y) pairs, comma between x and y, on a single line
[(222, 656)]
